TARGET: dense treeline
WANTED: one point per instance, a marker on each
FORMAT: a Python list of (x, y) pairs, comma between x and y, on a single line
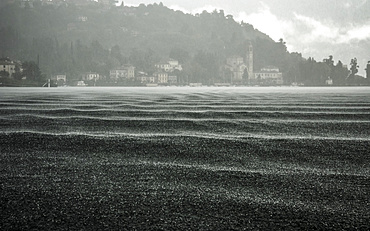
[(71, 40)]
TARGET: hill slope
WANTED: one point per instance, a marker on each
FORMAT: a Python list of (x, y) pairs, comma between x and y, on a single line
[(73, 39)]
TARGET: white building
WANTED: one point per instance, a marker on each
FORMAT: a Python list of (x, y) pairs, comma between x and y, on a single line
[(124, 72), (7, 66), (329, 81), (235, 66), (90, 76), (169, 65), (60, 79), (162, 77), (146, 79), (269, 75), (172, 79), (82, 18)]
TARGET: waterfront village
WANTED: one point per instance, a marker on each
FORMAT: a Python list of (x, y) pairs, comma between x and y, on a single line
[(235, 71), (230, 70)]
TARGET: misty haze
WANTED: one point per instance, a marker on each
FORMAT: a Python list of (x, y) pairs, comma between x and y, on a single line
[(176, 115)]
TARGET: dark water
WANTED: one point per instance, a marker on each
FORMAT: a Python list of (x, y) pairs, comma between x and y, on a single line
[(185, 158)]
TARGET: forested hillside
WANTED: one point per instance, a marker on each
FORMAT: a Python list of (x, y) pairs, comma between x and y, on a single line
[(73, 39)]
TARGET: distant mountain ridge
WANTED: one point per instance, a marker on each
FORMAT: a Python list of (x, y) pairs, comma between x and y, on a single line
[(69, 38)]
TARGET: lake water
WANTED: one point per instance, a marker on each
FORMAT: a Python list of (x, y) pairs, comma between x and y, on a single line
[(182, 157)]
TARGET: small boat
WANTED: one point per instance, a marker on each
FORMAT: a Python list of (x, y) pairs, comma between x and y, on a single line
[(81, 84)]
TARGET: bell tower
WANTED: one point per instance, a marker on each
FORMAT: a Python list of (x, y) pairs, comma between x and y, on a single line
[(249, 59)]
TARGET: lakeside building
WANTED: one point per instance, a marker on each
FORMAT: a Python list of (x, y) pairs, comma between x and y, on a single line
[(195, 84), (172, 79), (7, 66), (329, 81), (60, 79), (168, 65), (238, 68), (81, 84), (90, 76), (269, 75), (165, 68), (162, 77), (124, 72), (235, 66), (82, 18), (145, 79)]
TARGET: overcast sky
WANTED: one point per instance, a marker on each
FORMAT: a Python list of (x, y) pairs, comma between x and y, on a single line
[(315, 28)]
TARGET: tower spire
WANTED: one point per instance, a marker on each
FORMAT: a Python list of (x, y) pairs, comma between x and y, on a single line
[(249, 59)]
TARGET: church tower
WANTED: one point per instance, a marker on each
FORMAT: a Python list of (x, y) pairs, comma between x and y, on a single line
[(249, 60)]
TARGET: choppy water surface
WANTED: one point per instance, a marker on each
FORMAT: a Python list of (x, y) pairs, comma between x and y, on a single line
[(186, 157)]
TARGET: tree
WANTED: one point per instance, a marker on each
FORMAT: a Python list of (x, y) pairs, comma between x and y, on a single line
[(246, 76), (354, 67), (207, 63), (227, 76), (32, 71), (27, 5), (18, 74), (368, 71), (113, 2), (230, 17), (329, 61), (116, 53), (340, 74), (4, 74), (351, 79), (179, 54), (281, 41)]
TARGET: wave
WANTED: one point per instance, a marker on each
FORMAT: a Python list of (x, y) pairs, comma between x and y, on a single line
[(161, 115), (166, 135), (194, 112), (185, 108), (269, 168)]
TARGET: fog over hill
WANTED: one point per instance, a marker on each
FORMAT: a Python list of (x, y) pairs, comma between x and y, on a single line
[(314, 28)]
